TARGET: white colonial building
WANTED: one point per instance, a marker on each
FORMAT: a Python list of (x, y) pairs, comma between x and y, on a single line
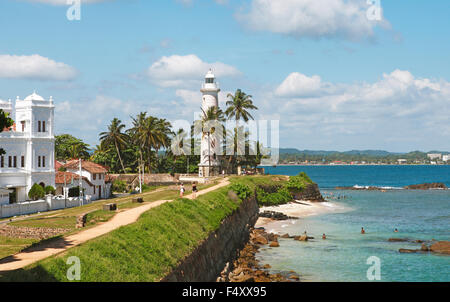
[(210, 144), (29, 147)]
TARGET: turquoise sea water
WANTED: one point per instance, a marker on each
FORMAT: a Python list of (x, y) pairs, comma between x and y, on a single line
[(421, 215)]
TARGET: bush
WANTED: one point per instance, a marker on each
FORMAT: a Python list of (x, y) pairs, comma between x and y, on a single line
[(299, 182), (75, 191), (119, 186), (49, 190), (282, 196), (36, 192), (241, 190)]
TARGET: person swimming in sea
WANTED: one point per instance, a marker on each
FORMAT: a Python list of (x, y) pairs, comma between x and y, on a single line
[(363, 231), (395, 231), (324, 236)]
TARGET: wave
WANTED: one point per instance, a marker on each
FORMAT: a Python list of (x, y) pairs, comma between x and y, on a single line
[(378, 187)]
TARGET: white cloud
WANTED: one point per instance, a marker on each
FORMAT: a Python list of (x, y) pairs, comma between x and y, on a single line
[(311, 18), (398, 112), (185, 71), (35, 67), (297, 85)]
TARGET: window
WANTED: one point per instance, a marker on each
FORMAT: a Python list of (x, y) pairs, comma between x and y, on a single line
[(22, 164), (43, 126), (39, 126), (9, 162), (39, 161), (95, 175), (43, 161), (23, 126), (2, 162), (15, 161)]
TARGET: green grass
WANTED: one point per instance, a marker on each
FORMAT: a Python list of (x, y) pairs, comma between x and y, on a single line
[(63, 222), (9, 246), (98, 216)]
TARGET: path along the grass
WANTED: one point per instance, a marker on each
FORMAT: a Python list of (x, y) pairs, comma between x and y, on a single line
[(57, 246)]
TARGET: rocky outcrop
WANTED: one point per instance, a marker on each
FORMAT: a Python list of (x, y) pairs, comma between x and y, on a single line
[(427, 186), (248, 269), (275, 215), (222, 246), (441, 247), (311, 193)]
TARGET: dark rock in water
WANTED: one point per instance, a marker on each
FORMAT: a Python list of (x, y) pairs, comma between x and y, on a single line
[(285, 236), (407, 251), (275, 215), (441, 247), (424, 248), (427, 186), (398, 239)]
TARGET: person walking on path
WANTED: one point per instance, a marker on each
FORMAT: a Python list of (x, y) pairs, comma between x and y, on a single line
[(181, 190), (194, 190)]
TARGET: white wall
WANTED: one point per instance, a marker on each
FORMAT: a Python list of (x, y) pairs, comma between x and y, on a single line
[(32, 207)]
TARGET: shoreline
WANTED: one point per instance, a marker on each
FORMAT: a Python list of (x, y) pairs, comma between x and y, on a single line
[(299, 209)]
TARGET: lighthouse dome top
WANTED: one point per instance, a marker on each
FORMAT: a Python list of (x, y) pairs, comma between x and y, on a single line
[(34, 97), (210, 75)]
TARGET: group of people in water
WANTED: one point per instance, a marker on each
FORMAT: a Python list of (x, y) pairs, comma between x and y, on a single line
[(362, 232), (194, 190)]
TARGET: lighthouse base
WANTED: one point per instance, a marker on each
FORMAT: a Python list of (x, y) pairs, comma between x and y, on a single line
[(207, 171)]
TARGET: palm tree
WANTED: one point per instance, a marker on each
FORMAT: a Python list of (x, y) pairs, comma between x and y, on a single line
[(137, 134), (116, 137), (238, 106)]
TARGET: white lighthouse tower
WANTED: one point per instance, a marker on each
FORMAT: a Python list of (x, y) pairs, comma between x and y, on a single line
[(210, 145)]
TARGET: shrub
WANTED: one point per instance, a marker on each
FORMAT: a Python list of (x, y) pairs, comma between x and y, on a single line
[(281, 196), (36, 192), (119, 186), (299, 182), (75, 191), (241, 190), (49, 190)]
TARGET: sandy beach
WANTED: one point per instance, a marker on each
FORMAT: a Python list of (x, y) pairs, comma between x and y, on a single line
[(300, 209)]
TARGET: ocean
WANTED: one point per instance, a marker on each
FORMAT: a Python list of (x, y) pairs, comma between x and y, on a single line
[(344, 256)]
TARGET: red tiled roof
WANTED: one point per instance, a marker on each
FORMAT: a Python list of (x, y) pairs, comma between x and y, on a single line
[(86, 165), (58, 165), (59, 178)]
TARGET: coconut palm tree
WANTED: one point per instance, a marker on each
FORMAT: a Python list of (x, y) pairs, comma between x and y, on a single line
[(238, 106), (116, 137), (137, 135)]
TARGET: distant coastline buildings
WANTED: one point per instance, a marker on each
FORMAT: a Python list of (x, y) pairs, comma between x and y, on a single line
[(30, 148)]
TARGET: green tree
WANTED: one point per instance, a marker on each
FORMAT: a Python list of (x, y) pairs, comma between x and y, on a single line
[(70, 147), (5, 122), (115, 136), (36, 192)]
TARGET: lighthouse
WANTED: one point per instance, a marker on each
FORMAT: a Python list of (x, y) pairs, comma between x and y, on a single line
[(210, 143)]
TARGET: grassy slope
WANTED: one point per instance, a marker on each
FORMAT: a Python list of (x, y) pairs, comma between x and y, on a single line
[(146, 250)]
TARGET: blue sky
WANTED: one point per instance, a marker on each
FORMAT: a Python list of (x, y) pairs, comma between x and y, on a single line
[(334, 79)]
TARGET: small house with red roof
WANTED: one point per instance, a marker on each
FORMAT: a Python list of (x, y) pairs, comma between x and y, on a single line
[(94, 178)]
